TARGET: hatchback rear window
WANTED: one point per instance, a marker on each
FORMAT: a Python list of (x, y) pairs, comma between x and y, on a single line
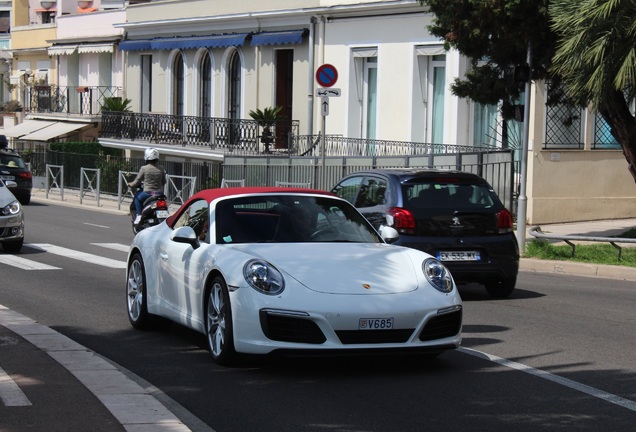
[(8, 161), (457, 197)]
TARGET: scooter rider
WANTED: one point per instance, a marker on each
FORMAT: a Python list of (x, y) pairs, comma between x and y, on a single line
[(153, 177)]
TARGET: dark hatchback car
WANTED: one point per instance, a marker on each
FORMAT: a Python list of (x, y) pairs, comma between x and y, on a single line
[(13, 168), (453, 215)]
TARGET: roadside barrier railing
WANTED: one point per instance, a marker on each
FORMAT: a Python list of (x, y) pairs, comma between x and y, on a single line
[(537, 232)]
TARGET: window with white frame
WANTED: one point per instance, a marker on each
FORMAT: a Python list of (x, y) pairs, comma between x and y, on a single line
[(431, 65), (365, 61)]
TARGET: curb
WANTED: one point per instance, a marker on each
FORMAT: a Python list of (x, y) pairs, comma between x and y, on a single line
[(578, 269)]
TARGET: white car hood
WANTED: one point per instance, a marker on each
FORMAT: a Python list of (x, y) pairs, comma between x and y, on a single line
[(342, 268)]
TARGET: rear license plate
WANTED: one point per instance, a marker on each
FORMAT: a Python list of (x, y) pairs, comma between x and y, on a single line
[(458, 256), (375, 323), (6, 177), (163, 214)]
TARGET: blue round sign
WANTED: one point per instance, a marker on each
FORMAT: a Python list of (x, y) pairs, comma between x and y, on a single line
[(326, 75)]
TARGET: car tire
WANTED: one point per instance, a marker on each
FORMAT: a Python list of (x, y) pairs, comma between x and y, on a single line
[(136, 297), (501, 288), (25, 199), (12, 246), (218, 323)]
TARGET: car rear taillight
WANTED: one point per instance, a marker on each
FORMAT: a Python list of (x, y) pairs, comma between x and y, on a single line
[(403, 220), (162, 204), (25, 175), (504, 221)]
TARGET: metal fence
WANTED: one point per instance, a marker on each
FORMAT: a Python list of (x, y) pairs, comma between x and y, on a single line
[(496, 166)]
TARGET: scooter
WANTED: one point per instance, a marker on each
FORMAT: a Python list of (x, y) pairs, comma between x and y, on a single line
[(154, 211)]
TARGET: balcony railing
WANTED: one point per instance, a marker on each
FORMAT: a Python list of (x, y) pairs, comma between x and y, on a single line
[(245, 137), (85, 100), (228, 135)]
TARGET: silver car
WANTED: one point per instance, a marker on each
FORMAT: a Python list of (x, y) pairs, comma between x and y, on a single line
[(11, 218)]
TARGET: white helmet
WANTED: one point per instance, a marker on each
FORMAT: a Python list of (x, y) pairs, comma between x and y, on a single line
[(151, 154)]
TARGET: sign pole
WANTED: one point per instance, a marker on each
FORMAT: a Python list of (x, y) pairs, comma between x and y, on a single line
[(323, 173), (326, 75)]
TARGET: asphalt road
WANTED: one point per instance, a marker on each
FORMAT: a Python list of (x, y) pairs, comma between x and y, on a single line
[(557, 355)]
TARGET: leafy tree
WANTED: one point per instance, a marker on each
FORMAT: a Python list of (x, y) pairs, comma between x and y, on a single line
[(596, 57), (495, 35)]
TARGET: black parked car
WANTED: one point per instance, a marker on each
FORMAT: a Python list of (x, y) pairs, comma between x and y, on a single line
[(13, 168), (453, 215)]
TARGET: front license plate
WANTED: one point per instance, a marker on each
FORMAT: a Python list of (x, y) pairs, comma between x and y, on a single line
[(163, 214), (458, 256), (375, 323), (6, 177)]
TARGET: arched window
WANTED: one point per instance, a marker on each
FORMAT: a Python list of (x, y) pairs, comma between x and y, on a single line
[(205, 109), (234, 90), (178, 85)]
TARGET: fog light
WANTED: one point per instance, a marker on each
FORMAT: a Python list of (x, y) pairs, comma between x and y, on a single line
[(16, 231)]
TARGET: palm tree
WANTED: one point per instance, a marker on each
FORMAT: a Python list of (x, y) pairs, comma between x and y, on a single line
[(266, 118), (117, 104), (596, 57)]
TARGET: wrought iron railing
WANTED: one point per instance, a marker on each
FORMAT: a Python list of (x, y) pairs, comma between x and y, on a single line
[(229, 135), (245, 137), (84, 100)]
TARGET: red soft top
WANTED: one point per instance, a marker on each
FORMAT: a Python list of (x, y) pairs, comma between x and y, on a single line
[(211, 194)]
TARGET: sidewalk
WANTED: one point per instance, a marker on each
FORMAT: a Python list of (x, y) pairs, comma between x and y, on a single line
[(604, 228)]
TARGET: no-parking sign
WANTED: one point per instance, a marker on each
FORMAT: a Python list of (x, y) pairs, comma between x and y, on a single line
[(326, 75)]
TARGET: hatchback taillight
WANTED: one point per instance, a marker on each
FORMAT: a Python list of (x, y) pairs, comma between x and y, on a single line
[(25, 175), (403, 220), (504, 221)]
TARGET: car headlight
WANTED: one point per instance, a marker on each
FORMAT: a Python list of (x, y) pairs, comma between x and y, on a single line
[(11, 209), (437, 275), (263, 277)]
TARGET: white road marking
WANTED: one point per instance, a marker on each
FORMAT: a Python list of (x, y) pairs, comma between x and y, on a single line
[(114, 246), (10, 393), (95, 225), (81, 256), (135, 407), (594, 392), (25, 264)]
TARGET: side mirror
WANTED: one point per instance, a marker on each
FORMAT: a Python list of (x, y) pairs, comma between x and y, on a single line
[(10, 184), (389, 234), (185, 234)]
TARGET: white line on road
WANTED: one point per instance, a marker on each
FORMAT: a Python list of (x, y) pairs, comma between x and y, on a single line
[(82, 256), (25, 264), (114, 246), (10, 393), (600, 394), (95, 225)]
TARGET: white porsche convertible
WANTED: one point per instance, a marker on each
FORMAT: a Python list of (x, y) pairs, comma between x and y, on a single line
[(264, 270)]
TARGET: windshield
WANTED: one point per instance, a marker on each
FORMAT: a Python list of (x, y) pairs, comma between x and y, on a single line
[(290, 218)]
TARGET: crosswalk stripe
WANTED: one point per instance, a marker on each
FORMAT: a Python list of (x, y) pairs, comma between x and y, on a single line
[(114, 246), (25, 264), (81, 256), (10, 393)]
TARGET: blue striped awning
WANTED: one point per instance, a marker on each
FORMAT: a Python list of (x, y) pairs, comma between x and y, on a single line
[(278, 37), (134, 45), (212, 41)]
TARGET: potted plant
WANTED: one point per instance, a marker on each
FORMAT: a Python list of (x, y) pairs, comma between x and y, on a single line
[(119, 105), (266, 119)]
